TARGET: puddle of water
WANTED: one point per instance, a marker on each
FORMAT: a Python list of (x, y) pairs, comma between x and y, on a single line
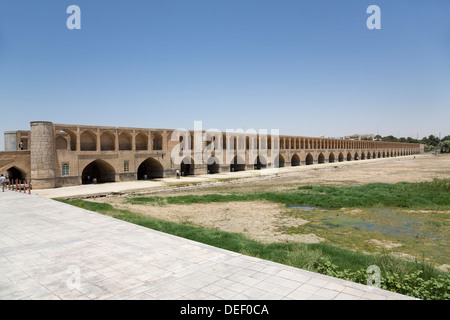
[(389, 223), (302, 208)]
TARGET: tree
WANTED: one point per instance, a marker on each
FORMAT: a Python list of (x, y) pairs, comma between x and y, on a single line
[(390, 138), (445, 146), (433, 141)]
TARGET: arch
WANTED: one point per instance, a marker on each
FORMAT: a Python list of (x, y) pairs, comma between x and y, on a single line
[(384, 154), (213, 165), (321, 158), (295, 160), (70, 137), (125, 141), (73, 139), (349, 156), (238, 164), (356, 156), (61, 142), (374, 156), (107, 141), (309, 159), (260, 162), (13, 173), (187, 166), (341, 157), (141, 141), (369, 155), (279, 161), (156, 141), (88, 141), (363, 156), (240, 143), (331, 158), (98, 171), (150, 168)]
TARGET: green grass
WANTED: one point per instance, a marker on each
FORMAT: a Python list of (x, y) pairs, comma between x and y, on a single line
[(433, 195)]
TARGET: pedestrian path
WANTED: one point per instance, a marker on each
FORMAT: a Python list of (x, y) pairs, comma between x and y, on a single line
[(51, 250)]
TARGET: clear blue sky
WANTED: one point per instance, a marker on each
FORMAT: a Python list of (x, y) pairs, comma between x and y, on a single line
[(304, 67)]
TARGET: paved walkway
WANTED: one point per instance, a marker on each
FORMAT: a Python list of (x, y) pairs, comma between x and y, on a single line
[(50, 250)]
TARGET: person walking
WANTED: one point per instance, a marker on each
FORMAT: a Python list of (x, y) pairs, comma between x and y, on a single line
[(178, 174), (3, 182)]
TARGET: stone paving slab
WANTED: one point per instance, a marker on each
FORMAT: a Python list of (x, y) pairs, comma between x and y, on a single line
[(51, 250)]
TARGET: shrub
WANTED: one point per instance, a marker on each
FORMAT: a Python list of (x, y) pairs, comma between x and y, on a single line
[(412, 284)]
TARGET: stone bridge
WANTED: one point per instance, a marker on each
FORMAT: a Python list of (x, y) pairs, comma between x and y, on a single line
[(64, 155)]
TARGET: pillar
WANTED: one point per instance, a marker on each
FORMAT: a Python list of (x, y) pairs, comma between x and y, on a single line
[(43, 154)]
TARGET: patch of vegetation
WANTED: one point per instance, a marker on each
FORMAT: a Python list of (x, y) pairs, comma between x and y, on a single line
[(417, 279), (424, 195)]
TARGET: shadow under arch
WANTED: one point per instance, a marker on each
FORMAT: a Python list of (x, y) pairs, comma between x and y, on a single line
[(98, 171), (187, 166), (295, 160), (309, 159), (150, 168), (13, 173), (238, 164), (213, 165)]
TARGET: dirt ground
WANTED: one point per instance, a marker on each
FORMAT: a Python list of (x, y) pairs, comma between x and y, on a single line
[(264, 221)]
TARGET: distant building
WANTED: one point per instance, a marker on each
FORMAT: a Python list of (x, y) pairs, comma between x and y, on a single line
[(369, 136)]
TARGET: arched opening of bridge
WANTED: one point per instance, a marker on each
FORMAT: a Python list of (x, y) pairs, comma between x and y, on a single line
[(279, 161), (141, 141), (261, 163), (70, 140), (88, 141), (125, 141), (61, 142), (309, 159), (213, 165), (107, 141), (295, 160), (349, 156), (331, 158), (384, 154), (187, 166), (321, 158), (363, 156), (157, 141), (369, 155), (14, 173), (356, 157), (238, 164), (150, 168), (98, 171), (340, 157)]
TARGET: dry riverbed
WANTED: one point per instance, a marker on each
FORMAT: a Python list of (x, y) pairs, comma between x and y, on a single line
[(414, 234)]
